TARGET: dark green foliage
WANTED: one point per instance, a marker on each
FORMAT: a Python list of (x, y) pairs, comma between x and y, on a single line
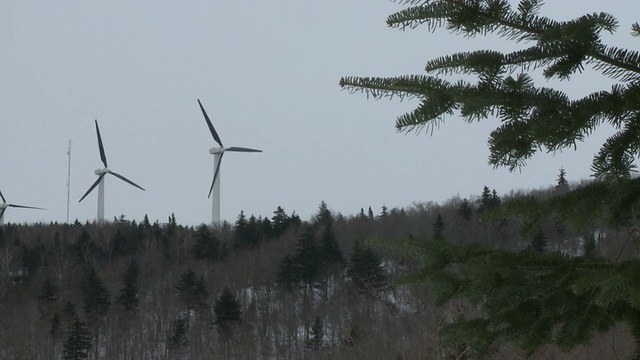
[(465, 210), (531, 299), (97, 300), (590, 246), (354, 337), (308, 259), (539, 242), (288, 273), (488, 200), (122, 243), (192, 290), (33, 258), (69, 310), (528, 298), (438, 228), (562, 182), (365, 270), (324, 216), (128, 297), (280, 222), (78, 342), (56, 324), (329, 248), (49, 292), (178, 337), (206, 246), (228, 311), (316, 334), (305, 268)]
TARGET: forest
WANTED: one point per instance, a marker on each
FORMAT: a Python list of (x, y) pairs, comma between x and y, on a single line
[(275, 287)]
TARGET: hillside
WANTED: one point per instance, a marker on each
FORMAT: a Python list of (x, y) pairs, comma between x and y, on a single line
[(323, 288)]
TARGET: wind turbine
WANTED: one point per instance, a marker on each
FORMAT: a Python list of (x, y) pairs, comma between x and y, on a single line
[(101, 174), (217, 159), (5, 205)]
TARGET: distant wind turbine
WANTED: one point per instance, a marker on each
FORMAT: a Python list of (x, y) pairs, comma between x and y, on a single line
[(101, 173), (5, 205), (217, 159)]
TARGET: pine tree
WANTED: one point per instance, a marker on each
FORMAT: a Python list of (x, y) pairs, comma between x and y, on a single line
[(192, 290), (206, 246), (178, 337), (78, 342), (279, 221), (562, 182), (560, 300), (287, 273), (465, 210), (128, 297), (438, 228), (316, 333), (56, 324), (49, 293), (228, 311), (97, 300), (329, 248), (539, 242), (365, 270)]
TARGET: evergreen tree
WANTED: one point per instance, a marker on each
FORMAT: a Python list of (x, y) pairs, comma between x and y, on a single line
[(308, 259), (178, 337), (279, 221), (56, 324), (562, 182), (128, 297), (97, 300), (206, 246), (539, 242), (370, 214), (324, 216), (192, 290), (287, 273), (49, 293), (438, 228), (316, 333), (365, 270), (465, 210), (228, 311), (558, 299), (329, 248), (78, 342)]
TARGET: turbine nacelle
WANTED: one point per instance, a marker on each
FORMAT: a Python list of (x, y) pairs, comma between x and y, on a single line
[(217, 150), (102, 171)]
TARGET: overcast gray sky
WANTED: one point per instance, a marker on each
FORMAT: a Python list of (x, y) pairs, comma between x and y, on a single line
[(267, 72)]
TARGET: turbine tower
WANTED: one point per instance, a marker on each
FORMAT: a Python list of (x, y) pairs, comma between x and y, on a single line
[(101, 174), (218, 152), (5, 205)]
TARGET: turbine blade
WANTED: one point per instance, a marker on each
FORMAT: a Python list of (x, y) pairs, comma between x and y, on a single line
[(2, 196), (2, 210), (24, 207), (241, 149), (125, 179), (92, 187), (215, 175), (103, 157), (213, 131)]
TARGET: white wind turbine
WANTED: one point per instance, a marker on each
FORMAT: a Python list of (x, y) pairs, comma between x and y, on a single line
[(101, 173), (217, 159), (5, 205)]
